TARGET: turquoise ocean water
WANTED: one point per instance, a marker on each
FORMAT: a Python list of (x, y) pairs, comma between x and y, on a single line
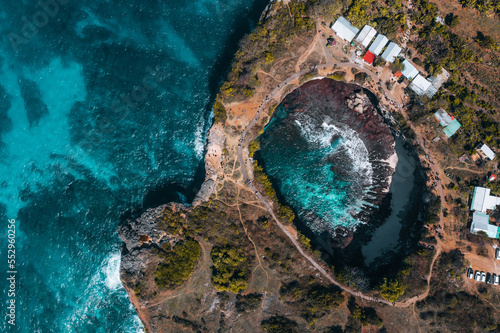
[(104, 107)]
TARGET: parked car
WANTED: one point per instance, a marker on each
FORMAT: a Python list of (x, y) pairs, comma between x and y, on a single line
[(496, 279), (470, 273), (488, 278), (483, 276), (497, 253), (477, 276)]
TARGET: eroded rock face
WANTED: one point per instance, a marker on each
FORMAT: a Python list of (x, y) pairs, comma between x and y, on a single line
[(214, 157), (139, 236)]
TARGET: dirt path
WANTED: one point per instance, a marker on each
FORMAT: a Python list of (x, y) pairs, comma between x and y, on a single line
[(251, 240), (306, 54), (465, 169)]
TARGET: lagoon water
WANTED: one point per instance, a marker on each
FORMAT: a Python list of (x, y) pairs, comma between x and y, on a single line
[(103, 110), (319, 165)]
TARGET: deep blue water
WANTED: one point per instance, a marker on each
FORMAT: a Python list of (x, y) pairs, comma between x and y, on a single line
[(104, 107)]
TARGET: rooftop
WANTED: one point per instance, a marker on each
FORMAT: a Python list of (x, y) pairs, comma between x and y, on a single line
[(391, 52), (487, 151), (378, 44), (369, 57), (452, 128), (366, 35), (483, 201), (409, 71), (481, 222), (443, 117), (420, 85), (344, 29)]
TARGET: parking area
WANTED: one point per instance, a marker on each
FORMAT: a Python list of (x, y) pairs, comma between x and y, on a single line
[(485, 276)]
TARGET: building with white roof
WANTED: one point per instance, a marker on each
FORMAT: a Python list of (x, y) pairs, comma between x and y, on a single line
[(391, 52), (366, 35), (487, 151), (409, 71), (483, 201), (344, 29), (422, 86), (443, 117), (481, 222), (378, 44), (438, 80)]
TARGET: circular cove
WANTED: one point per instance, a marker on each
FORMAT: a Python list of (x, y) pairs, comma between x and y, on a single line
[(331, 157)]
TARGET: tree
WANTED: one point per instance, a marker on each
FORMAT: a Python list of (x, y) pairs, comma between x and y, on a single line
[(486, 42), (397, 65), (279, 324), (391, 290), (230, 268), (178, 263), (451, 20), (379, 62)]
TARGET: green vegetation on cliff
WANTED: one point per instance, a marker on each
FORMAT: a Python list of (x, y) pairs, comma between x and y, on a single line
[(220, 114), (178, 263), (269, 41)]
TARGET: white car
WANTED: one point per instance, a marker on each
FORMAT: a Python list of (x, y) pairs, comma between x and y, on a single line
[(470, 273), (497, 253), (477, 276), (496, 279), (483, 276)]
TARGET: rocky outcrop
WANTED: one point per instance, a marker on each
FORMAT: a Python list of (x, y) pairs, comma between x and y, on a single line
[(359, 102), (138, 237), (214, 158)]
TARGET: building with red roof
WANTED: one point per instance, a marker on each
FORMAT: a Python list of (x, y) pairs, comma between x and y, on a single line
[(398, 74), (369, 57)]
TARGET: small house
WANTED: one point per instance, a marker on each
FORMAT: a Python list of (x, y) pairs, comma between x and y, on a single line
[(481, 223), (369, 57), (409, 71), (391, 52), (422, 86), (366, 35), (378, 44), (482, 200), (486, 152), (344, 29), (450, 124)]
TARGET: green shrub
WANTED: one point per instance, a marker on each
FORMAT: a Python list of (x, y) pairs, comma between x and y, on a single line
[(178, 263), (320, 299), (391, 290), (279, 324), (248, 302), (230, 268), (220, 114), (253, 147)]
